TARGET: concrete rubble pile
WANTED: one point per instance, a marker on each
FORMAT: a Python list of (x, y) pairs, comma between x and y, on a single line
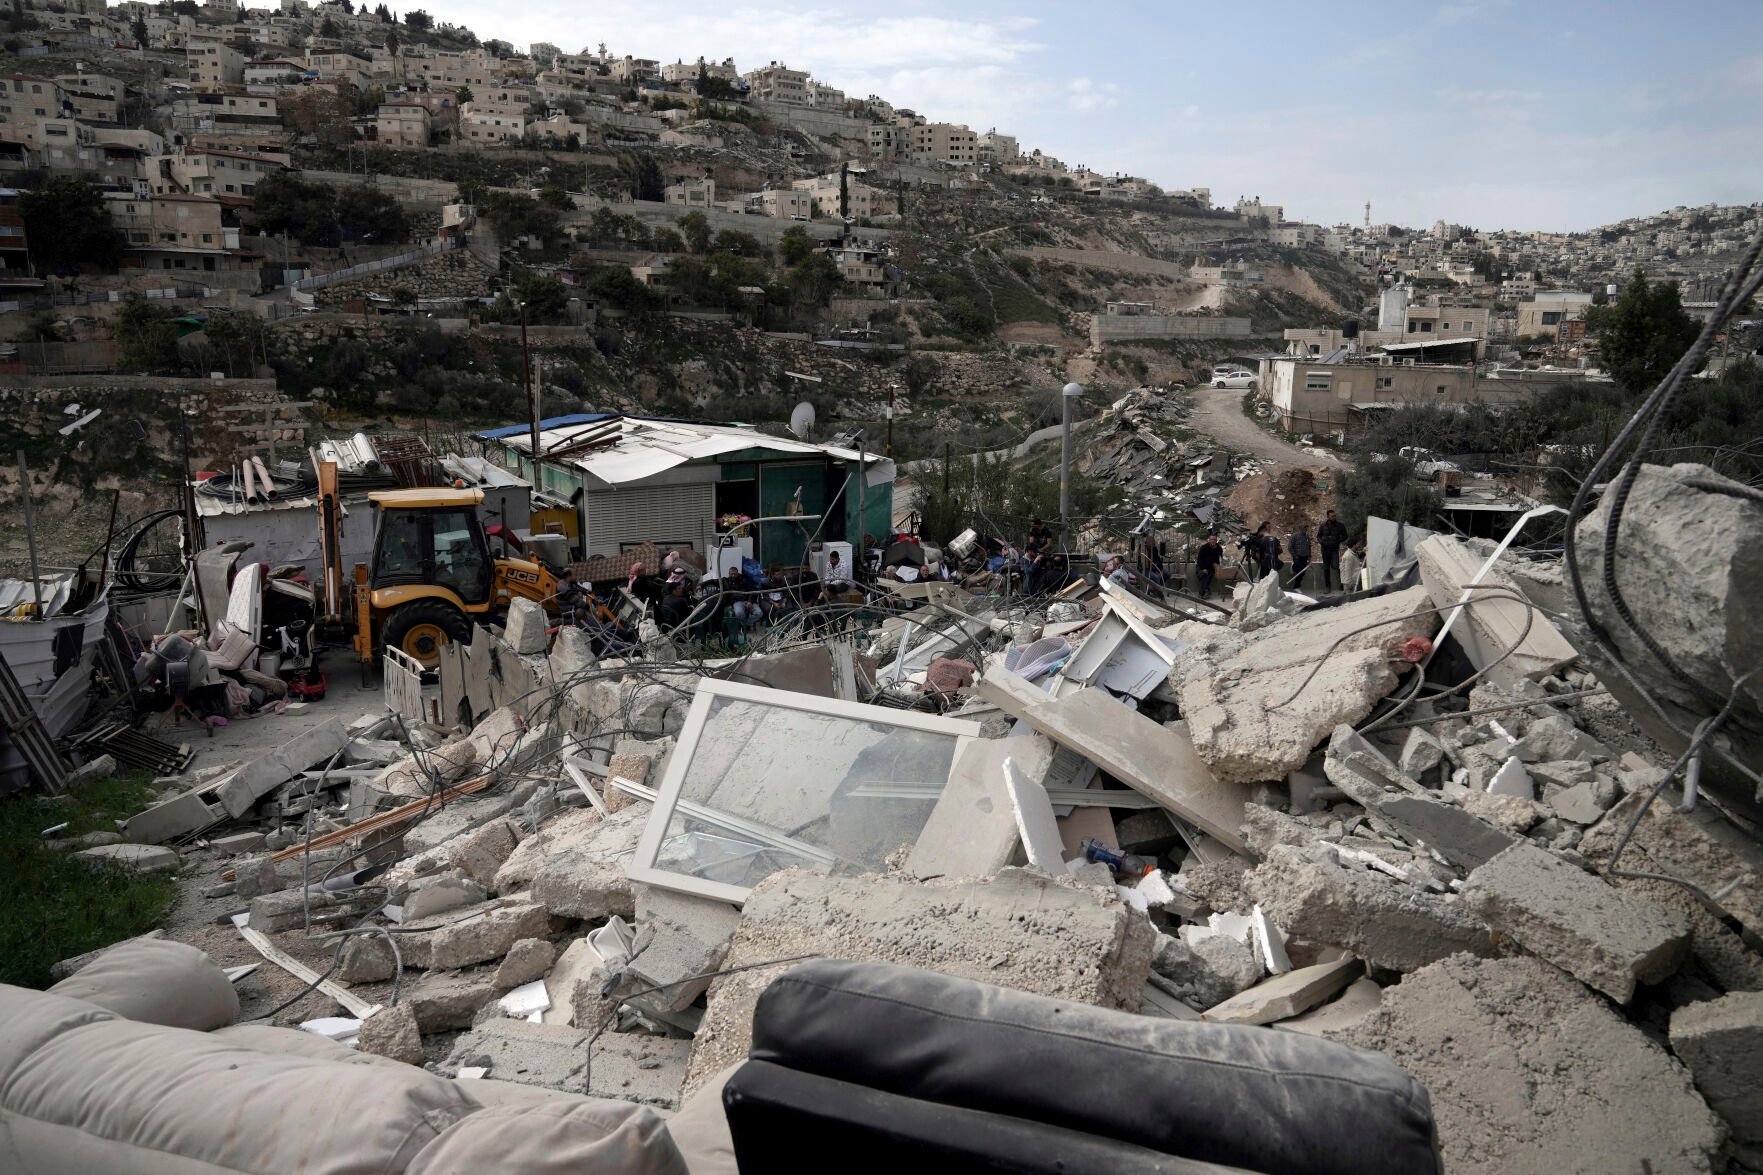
[(1379, 819), (1139, 444)]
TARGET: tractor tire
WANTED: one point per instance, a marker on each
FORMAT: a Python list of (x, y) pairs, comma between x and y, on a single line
[(420, 629)]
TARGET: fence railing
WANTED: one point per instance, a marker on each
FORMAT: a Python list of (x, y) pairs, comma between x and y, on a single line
[(98, 297)]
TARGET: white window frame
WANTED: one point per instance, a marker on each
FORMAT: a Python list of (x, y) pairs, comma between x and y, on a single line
[(642, 866), (1319, 381)]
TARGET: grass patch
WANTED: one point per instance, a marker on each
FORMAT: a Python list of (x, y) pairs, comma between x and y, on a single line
[(51, 906)]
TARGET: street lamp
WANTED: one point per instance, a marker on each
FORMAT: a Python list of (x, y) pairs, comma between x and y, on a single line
[(1069, 396), (532, 407)]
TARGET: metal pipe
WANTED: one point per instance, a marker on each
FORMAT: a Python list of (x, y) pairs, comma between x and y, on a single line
[(30, 530), (1070, 393)]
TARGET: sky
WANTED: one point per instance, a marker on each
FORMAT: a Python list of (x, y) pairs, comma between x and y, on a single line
[(1488, 113)]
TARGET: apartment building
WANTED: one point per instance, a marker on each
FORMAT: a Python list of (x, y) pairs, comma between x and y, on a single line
[(173, 232), (630, 71), (825, 97), (778, 83), (1308, 396), (945, 142), (783, 203), (864, 202), (95, 96), (275, 71), (340, 65), (25, 100), (993, 147), (402, 124), (1544, 314), (482, 125), (688, 192), (211, 172), (686, 72), (1520, 287), (214, 65)]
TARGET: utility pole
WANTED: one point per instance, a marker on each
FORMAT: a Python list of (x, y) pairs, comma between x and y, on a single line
[(892, 389), (1069, 396)]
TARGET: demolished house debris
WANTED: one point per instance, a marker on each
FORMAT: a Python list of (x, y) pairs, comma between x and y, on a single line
[(1407, 819)]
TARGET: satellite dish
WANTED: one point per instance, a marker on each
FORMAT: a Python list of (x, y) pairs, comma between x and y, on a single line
[(802, 419)]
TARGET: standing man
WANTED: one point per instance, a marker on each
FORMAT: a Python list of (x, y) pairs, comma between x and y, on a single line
[(1036, 552), (1329, 536), (1298, 543), (1206, 563), (1267, 549)]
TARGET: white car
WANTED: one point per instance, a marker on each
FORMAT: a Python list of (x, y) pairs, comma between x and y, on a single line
[(1233, 379)]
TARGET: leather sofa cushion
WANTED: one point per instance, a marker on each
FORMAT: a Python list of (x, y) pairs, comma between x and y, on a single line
[(1237, 1096)]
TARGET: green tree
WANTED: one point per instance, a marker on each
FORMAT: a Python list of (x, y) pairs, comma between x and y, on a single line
[(392, 42), (554, 196), (617, 286), (464, 94), (639, 174), (696, 230), (328, 29), (740, 244), (67, 226), (138, 30), (519, 215), (795, 245), (547, 299), (1643, 334), (815, 279), (403, 297), (146, 338), (1388, 489), (665, 240), (418, 21)]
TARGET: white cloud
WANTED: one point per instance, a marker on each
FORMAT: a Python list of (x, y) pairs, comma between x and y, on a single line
[(1086, 97)]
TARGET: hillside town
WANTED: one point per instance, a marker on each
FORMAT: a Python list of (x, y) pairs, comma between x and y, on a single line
[(567, 611)]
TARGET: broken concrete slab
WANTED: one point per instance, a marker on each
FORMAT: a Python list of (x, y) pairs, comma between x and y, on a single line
[(1721, 1041), (1529, 1071), (463, 938), (1421, 753), (479, 854), (574, 979), (1514, 814), (1361, 999), (679, 937), (637, 1067), (589, 881), (1207, 971), (1018, 929), (1285, 996), (1607, 939), (525, 630), (568, 829), (1553, 737), (971, 831), (1666, 841), (436, 895), (239, 842), (89, 772), (527, 960), (1158, 761), (176, 817), (426, 773), (1386, 922), (1240, 694), (392, 1033), (1582, 804), (551, 1056), (255, 780), (1395, 803), (131, 858), (1035, 822), (367, 958), (446, 1001), (1500, 634)]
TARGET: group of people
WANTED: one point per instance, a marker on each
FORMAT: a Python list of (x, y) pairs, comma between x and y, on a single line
[(1263, 553), (689, 605)]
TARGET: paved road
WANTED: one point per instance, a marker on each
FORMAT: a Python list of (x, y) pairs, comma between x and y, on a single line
[(1218, 412)]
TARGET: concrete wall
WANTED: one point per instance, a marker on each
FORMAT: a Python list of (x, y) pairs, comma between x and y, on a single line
[(1303, 408), (1115, 328), (813, 120), (405, 188)]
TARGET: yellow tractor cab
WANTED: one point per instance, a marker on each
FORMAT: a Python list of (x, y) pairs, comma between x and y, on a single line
[(432, 575)]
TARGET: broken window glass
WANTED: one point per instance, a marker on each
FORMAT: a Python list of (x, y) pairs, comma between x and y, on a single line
[(767, 779)]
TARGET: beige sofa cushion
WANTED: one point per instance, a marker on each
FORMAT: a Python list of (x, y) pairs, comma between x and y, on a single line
[(171, 1094), (583, 1139), (156, 981)]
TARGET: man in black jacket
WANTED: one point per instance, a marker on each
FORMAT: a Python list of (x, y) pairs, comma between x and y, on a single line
[(1206, 563), (1330, 536)]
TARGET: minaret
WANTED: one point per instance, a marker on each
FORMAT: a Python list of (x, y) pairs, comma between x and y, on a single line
[(1368, 216)]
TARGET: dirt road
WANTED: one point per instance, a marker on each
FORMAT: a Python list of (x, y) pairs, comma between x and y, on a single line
[(1218, 412)]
